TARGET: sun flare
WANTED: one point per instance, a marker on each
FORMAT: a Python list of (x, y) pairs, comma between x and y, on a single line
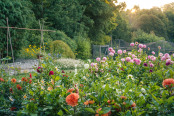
[(133, 11), (145, 4)]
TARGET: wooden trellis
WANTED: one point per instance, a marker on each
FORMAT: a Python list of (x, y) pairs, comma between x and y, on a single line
[(10, 40)]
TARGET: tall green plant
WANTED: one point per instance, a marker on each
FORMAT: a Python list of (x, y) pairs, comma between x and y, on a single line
[(61, 48)]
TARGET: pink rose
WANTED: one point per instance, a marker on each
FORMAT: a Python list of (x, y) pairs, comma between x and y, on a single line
[(132, 44), (138, 61), (119, 51), (111, 54), (124, 51), (167, 56), (98, 59), (163, 58), (123, 59), (168, 61), (110, 49), (144, 46), (151, 65), (160, 54), (104, 58), (140, 45), (159, 47), (113, 51), (92, 64), (128, 59), (133, 56), (153, 52)]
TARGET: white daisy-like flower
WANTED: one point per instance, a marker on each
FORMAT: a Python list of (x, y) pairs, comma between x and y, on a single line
[(89, 60), (117, 83), (84, 78), (86, 66), (130, 76), (119, 64), (130, 90), (143, 90)]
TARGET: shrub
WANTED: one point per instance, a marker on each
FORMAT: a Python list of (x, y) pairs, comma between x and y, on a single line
[(59, 47), (68, 63), (142, 37), (29, 52), (59, 35), (83, 48)]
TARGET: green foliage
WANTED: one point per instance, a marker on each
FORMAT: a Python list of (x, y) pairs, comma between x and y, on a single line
[(110, 87), (122, 31), (101, 16), (59, 47), (83, 47), (150, 23), (59, 35), (142, 37), (169, 12), (19, 15)]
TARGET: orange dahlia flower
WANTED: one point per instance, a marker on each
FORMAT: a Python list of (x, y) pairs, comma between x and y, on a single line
[(91, 101), (23, 79), (133, 105), (72, 99), (70, 90), (107, 114), (19, 87), (1, 80), (168, 82), (13, 80), (86, 103), (123, 97)]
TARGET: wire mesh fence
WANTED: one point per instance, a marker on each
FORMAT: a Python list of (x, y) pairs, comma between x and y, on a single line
[(102, 50)]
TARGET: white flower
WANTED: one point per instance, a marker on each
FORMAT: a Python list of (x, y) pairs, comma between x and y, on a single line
[(143, 90), (117, 83), (119, 64), (141, 95), (103, 86), (75, 65), (86, 66), (118, 91), (130, 90), (75, 71), (56, 68), (130, 76), (84, 78), (11, 99), (89, 60)]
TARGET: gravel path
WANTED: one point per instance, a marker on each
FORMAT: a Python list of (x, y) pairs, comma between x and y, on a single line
[(23, 66)]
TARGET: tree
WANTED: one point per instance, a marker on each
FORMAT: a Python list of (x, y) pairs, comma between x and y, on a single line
[(101, 15), (149, 23), (169, 12), (19, 15), (122, 31)]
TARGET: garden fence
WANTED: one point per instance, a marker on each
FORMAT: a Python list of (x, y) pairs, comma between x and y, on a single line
[(102, 50)]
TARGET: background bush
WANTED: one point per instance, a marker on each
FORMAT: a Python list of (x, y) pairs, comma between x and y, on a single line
[(142, 37), (59, 47), (83, 47), (59, 35)]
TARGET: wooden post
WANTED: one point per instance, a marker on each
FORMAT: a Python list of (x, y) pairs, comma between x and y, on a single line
[(7, 35), (100, 51), (111, 40), (8, 31)]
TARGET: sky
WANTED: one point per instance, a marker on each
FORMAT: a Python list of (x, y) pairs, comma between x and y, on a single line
[(145, 4)]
